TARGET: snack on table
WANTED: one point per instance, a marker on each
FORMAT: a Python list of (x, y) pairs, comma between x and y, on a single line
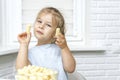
[(36, 73)]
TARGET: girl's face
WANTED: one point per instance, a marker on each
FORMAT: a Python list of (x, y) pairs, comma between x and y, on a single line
[(44, 29)]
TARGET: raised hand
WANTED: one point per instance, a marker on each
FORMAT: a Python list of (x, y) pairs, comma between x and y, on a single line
[(60, 39), (24, 38)]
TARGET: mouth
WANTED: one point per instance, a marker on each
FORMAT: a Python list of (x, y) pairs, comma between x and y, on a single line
[(40, 32)]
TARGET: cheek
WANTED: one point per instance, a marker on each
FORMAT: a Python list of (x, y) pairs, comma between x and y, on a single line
[(53, 34), (34, 30), (50, 33)]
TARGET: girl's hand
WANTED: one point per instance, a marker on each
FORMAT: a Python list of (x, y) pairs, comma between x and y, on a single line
[(60, 40), (24, 38)]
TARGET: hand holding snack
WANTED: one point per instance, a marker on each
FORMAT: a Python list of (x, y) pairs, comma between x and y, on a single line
[(60, 39), (24, 38)]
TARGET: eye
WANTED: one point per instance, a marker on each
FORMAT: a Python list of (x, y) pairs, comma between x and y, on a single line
[(39, 21), (48, 25)]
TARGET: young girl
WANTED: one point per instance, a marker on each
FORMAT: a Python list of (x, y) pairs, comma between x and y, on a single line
[(51, 51)]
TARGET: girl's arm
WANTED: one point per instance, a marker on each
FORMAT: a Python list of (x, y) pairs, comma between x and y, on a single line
[(69, 62), (22, 57)]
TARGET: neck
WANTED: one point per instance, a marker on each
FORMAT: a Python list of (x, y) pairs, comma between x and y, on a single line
[(42, 42)]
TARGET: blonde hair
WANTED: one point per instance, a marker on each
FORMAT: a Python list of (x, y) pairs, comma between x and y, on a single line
[(57, 15)]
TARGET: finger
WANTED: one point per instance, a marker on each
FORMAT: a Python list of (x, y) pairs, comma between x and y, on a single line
[(60, 41), (56, 43), (22, 35), (28, 36), (60, 37)]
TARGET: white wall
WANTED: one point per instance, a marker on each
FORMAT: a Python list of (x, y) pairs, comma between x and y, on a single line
[(103, 28)]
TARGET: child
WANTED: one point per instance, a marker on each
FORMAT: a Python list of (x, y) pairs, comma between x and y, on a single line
[(51, 51)]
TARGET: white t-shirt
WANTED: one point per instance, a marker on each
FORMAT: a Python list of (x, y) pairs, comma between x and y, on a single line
[(49, 56)]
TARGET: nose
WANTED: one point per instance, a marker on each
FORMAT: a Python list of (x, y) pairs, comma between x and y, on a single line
[(41, 26)]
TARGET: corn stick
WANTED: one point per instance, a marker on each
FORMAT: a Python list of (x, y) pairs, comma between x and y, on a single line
[(28, 27), (57, 31)]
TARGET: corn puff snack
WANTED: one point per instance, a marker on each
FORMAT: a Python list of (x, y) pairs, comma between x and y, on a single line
[(57, 31), (36, 73), (28, 27)]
